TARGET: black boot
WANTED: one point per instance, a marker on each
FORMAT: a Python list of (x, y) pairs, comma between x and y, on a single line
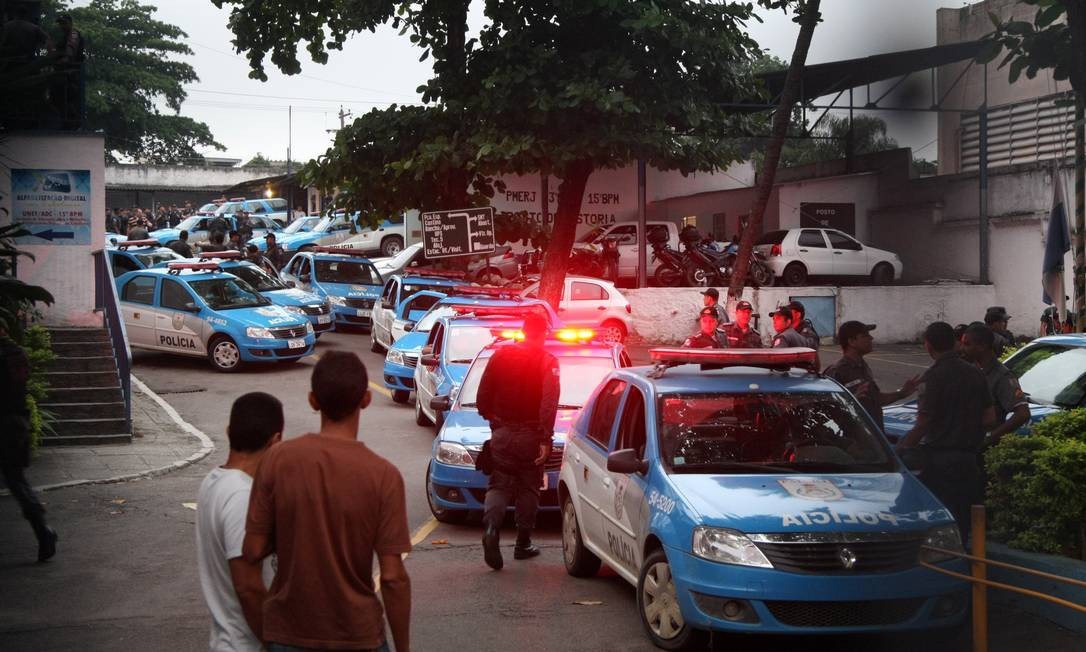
[(47, 539), (491, 551), (524, 548)]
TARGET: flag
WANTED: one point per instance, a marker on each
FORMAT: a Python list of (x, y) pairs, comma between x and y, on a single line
[(1057, 243)]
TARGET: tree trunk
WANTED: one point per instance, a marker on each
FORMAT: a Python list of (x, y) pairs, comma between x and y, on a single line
[(556, 260), (781, 117)]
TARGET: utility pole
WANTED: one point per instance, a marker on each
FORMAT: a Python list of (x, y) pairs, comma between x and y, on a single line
[(290, 142), (343, 115)]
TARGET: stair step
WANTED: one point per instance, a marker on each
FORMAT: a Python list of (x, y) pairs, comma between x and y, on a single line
[(79, 335), (82, 427), (62, 379), (83, 349), (113, 410), (85, 394), (85, 363), (86, 440)]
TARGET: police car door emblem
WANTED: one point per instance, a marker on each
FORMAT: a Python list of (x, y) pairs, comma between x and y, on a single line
[(178, 321), (620, 496), (815, 489), (847, 558)]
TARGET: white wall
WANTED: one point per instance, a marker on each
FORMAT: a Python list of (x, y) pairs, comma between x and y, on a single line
[(182, 176), (859, 189), (67, 271)]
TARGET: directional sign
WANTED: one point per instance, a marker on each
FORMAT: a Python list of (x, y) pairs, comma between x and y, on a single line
[(458, 233), (53, 205)]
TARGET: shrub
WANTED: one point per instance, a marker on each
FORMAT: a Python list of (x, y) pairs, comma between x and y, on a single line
[(1069, 424), (39, 348)]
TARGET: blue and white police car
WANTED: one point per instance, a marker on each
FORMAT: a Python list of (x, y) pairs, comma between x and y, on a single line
[(755, 497), (400, 288), (454, 487), (196, 309), (309, 232), (349, 281), (131, 255), (198, 228)]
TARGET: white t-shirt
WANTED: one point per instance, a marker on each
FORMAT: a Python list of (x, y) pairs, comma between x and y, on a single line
[(222, 505)]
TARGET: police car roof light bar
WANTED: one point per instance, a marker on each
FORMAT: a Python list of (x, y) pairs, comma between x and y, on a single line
[(435, 273), (486, 290), (343, 251), (488, 311), (508, 334), (221, 255), (779, 359), (237, 199), (138, 243), (579, 335), (175, 268)]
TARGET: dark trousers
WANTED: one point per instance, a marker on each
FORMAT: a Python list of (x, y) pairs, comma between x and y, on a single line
[(17, 484), (521, 486), (956, 480)]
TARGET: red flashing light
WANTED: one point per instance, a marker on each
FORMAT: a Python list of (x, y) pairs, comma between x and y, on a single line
[(220, 255), (508, 255), (175, 268), (770, 358), (775, 250), (435, 273), (509, 334)]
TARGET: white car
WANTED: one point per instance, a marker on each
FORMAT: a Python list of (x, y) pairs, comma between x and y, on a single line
[(592, 303), (795, 255)]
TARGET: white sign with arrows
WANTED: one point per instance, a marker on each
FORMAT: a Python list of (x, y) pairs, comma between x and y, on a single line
[(53, 205)]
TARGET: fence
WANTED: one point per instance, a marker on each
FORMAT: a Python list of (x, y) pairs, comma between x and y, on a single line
[(105, 300)]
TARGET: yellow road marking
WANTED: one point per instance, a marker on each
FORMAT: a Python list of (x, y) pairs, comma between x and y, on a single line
[(380, 389), (417, 537)]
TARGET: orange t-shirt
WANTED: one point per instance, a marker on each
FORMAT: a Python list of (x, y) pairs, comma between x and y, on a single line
[(328, 506)]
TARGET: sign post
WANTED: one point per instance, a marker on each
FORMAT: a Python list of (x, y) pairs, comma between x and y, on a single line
[(462, 232)]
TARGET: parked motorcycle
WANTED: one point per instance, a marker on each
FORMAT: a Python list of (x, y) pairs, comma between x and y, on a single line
[(586, 260), (701, 266), (669, 273), (759, 273)]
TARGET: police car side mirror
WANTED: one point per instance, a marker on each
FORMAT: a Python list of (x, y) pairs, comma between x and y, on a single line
[(428, 360), (386, 304), (191, 307), (626, 461), (440, 403), (408, 326), (291, 284), (304, 278)]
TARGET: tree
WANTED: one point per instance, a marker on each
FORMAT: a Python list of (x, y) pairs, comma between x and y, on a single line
[(1055, 40), (131, 68), (258, 161)]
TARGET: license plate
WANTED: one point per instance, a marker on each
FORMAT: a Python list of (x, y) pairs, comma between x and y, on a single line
[(361, 313), (546, 482), (324, 319), (296, 344)]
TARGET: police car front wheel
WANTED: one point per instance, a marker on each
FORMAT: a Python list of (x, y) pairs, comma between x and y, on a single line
[(658, 604), (224, 354), (580, 562), (442, 514)]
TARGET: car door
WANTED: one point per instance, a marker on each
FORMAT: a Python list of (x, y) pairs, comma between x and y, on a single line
[(290, 271), (849, 257), (589, 457), (584, 303), (199, 232), (382, 316), (338, 231), (424, 376), (304, 274), (812, 251), (178, 328), (626, 236), (138, 310), (621, 512)]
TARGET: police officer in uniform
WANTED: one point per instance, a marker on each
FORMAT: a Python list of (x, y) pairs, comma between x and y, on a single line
[(803, 326), (273, 252), (15, 441), (739, 334), (953, 411), (978, 346), (996, 318), (518, 395), (712, 300), (853, 372), (786, 335), (707, 335)]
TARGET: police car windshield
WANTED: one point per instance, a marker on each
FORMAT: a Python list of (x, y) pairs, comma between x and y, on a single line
[(347, 271), (592, 235), (156, 257), (1051, 374), (256, 277), (721, 433), (302, 225), (227, 294), (465, 342), (189, 223), (577, 377), (429, 319)]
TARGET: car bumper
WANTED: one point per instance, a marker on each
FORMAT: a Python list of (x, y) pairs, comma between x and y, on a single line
[(271, 350), (773, 601), (318, 327), (399, 377), (347, 316), (461, 487)]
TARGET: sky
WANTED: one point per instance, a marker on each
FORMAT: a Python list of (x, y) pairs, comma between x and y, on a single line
[(374, 70)]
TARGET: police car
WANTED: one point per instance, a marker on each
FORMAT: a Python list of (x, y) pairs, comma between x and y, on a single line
[(308, 232), (454, 487), (275, 208), (317, 309), (196, 309), (198, 228), (1051, 371), (398, 289), (403, 355), (751, 496), (131, 255), (347, 280)]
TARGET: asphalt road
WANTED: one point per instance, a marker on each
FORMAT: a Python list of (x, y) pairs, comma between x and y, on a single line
[(125, 577)]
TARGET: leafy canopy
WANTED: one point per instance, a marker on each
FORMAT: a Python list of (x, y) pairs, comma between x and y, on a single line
[(1046, 43)]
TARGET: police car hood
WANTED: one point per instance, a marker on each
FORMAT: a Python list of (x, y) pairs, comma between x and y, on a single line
[(899, 419), (467, 428), (351, 290), (165, 235), (272, 316), (411, 342), (293, 297), (295, 240), (871, 502)]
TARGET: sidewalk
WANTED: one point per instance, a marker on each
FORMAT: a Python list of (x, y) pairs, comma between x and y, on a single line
[(162, 442)]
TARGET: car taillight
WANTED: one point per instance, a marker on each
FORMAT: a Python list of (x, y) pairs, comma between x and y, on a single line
[(629, 309), (508, 255), (775, 250)]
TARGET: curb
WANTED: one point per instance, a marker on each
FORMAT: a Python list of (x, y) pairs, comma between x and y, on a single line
[(206, 447)]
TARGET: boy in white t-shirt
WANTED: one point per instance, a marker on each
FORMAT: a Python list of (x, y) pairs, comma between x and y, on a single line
[(256, 424)]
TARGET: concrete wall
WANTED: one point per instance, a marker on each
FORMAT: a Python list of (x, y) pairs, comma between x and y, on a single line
[(164, 177), (859, 189), (67, 271), (667, 315)]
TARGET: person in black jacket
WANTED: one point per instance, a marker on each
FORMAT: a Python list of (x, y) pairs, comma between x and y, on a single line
[(518, 395)]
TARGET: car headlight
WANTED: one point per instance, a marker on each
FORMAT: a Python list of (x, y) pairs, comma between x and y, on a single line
[(944, 537), (256, 332), (328, 304), (728, 547), (454, 454), (394, 357), (295, 309), (339, 301), (308, 328)]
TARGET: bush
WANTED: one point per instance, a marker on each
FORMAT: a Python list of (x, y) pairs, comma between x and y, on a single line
[(1035, 483), (39, 348)]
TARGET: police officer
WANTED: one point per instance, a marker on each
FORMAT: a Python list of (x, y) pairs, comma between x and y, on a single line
[(216, 243), (953, 411), (853, 372), (518, 395), (803, 326), (245, 226), (978, 346), (273, 252), (712, 300), (786, 335), (253, 255), (181, 245), (996, 318), (218, 224), (707, 336), (739, 334), (15, 441)]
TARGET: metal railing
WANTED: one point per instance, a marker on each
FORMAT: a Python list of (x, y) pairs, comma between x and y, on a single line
[(979, 578), (105, 300)]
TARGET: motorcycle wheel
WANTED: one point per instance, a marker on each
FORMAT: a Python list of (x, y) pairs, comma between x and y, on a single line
[(695, 277), (761, 275), (668, 277)]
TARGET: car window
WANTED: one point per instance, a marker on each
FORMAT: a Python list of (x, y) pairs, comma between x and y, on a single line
[(437, 334), (631, 427), (346, 271), (582, 291), (258, 209), (139, 290), (771, 238), (811, 238), (624, 359), (256, 277), (122, 264), (1051, 374), (278, 204), (174, 295), (604, 411), (420, 302), (658, 231), (303, 267), (228, 293), (625, 234), (839, 240), (387, 292)]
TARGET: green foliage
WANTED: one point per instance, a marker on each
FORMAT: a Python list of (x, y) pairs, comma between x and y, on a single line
[(16, 297), (1010, 350), (257, 161), (39, 348), (1035, 485), (132, 68), (1049, 42)]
